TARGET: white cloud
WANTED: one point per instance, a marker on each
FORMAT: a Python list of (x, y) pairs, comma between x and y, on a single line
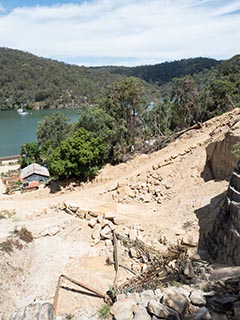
[(148, 31)]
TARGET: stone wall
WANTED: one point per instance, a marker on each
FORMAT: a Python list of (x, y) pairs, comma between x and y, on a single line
[(223, 240)]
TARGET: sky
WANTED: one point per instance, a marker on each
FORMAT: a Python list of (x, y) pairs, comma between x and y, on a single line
[(121, 32)]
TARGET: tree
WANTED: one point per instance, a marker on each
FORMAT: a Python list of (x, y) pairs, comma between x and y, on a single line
[(124, 103), (52, 130), (80, 155), (100, 124), (29, 154)]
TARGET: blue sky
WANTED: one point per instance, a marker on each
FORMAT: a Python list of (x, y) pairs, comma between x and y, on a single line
[(121, 32)]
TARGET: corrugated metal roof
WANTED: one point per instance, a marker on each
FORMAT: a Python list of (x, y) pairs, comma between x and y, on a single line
[(34, 168)]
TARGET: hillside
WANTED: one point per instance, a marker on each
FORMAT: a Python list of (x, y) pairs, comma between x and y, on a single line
[(162, 73), (161, 198), (33, 82)]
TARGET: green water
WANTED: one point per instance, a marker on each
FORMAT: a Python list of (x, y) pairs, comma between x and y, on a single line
[(16, 129)]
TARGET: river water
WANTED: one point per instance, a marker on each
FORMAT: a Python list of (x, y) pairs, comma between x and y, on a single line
[(16, 129)]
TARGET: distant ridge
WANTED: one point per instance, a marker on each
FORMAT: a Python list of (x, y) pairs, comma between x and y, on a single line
[(162, 73)]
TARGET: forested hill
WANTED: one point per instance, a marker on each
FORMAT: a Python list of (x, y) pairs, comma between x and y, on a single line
[(26, 79), (33, 82), (164, 72)]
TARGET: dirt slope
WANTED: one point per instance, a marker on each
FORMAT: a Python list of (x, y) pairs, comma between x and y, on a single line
[(162, 192)]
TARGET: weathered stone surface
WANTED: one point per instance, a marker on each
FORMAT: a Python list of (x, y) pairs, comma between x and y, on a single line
[(197, 298), (187, 268), (71, 205), (141, 313), (106, 232), (223, 239), (46, 312), (81, 213), (161, 311), (35, 312), (96, 232), (32, 312), (124, 310), (175, 300), (109, 215), (5, 214), (119, 220), (92, 222), (220, 158), (202, 314), (51, 231)]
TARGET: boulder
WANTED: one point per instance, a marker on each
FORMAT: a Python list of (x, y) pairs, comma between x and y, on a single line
[(197, 298), (106, 232), (175, 299), (202, 314), (92, 222), (161, 311), (124, 309), (71, 205), (187, 269), (96, 232), (141, 313)]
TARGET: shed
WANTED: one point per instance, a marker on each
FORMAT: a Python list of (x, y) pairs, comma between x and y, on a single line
[(35, 172)]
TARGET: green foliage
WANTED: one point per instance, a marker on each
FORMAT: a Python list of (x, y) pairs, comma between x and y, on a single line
[(164, 72), (37, 83), (80, 155), (104, 311), (51, 131), (29, 153)]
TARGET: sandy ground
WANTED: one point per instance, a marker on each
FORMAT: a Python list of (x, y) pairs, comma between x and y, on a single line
[(184, 194)]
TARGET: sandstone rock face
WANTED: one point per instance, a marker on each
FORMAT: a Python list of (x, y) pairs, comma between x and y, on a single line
[(220, 159), (223, 240)]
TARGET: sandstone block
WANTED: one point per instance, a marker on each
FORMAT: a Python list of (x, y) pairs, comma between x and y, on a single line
[(123, 310), (202, 314), (175, 300), (92, 222), (119, 220), (197, 298), (109, 215), (141, 313), (161, 311), (106, 232), (96, 232)]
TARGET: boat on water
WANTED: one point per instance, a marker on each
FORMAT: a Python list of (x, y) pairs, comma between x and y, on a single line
[(22, 112)]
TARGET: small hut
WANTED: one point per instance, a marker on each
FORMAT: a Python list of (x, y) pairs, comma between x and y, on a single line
[(35, 172)]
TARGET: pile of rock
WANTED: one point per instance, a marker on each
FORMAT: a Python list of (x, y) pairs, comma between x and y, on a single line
[(102, 224), (170, 303), (149, 188)]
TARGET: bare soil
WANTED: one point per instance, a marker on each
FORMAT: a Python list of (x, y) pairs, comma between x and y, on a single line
[(31, 274)]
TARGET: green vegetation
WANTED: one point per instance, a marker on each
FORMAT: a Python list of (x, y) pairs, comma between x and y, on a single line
[(80, 155), (130, 118), (29, 153), (162, 73), (36, 83), (104, 312)]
